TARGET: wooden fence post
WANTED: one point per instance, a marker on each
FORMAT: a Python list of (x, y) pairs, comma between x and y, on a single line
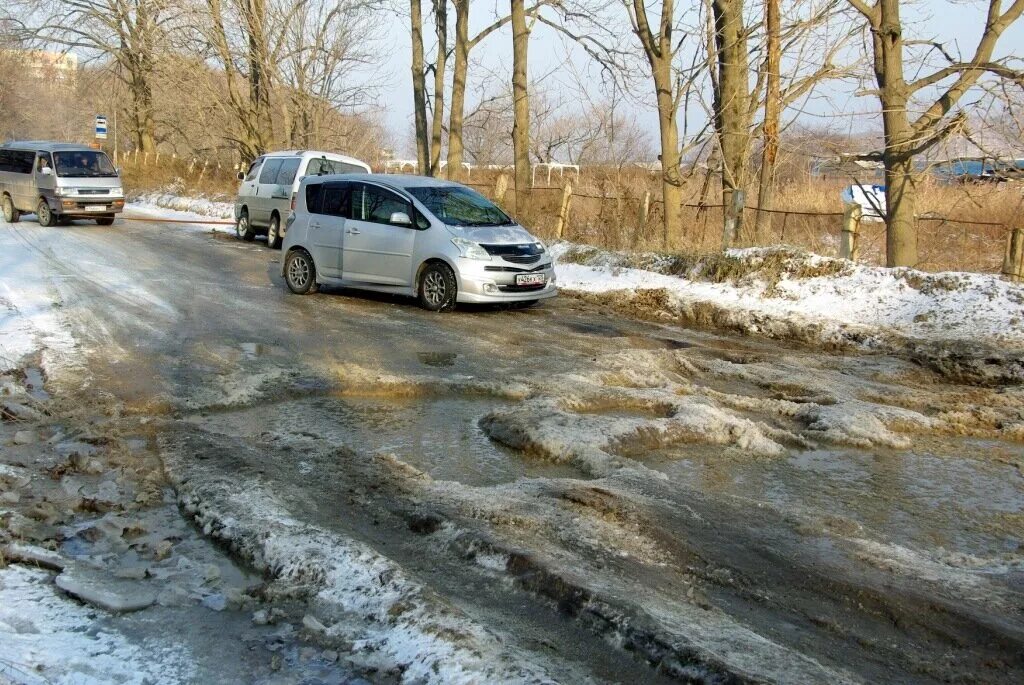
[(645, 210), (848, 243), (500, 188), (563, 210), (1013, 259)]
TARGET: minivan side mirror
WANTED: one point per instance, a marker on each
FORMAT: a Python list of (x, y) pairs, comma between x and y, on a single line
[(400, 219), (46, 171), (240, 175)]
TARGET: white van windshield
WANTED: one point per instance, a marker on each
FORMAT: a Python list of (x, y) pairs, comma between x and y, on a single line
[(84, 163)]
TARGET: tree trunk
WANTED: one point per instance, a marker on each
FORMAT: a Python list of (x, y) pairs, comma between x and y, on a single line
[(458, 106), (671, 181), (259, 97), (732, 100), (772, 106), (440, 66), (419, 88), (900, 180), (521, 103)]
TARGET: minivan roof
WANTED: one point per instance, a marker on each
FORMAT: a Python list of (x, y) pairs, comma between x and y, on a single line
[(47, 146), (392, 180), (314, 153)]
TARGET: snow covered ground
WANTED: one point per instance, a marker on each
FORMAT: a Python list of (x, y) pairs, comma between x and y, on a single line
[(785, 293), (29, 307), (171, 206)]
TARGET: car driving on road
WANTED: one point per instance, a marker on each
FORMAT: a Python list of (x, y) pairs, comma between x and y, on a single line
[(269, 186), (435, 240), (58, 182)]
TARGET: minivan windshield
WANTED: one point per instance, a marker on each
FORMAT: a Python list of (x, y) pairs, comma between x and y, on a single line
[(83, 163), (458, 206)]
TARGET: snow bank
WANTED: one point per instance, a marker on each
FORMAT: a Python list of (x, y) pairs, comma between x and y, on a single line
[(182, 206), (785, 293)]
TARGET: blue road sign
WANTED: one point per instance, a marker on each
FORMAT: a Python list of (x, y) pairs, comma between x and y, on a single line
[(101, 127)]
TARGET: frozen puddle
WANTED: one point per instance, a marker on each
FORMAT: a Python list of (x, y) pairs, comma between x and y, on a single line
[(437, 435), (916, 498)]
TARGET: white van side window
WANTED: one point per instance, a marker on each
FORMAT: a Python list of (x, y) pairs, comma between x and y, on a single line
[(250, 175)]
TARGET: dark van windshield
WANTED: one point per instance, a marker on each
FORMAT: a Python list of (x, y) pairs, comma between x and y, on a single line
[(84, 163)]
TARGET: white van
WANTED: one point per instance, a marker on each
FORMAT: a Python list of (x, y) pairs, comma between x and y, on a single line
[(58, 182), (268, 188)]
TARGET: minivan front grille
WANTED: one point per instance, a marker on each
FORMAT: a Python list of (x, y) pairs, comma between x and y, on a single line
[(528, 253), (93, 191)]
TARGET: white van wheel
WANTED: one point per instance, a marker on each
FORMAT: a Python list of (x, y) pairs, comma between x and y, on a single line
[(11, 215), (45, 214), (243, 228), (274, 233)]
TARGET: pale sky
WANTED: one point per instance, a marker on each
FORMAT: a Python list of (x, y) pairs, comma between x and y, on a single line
[(552, 61)]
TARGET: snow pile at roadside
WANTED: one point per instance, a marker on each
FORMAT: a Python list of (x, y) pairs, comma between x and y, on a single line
[(786, 293), (172, 206), (29, 308)]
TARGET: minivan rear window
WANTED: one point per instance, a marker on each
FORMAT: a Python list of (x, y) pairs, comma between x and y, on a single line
[(313, 192), (323, 166)]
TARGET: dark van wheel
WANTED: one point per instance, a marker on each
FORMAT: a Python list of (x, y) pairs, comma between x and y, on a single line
[(243, 228), (299, 272), (274, 233), (11, 215), (438, 287), (45, 214), (105, 220)]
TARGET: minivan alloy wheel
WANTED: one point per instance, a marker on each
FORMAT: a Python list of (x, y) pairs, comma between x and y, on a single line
[(273, 233), (299, 272), (434, 288), (438, 287), (243, 229)]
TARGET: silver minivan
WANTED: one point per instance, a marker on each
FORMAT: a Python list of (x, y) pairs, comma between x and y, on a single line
[(412, 235), (268, 188), (58, 182)]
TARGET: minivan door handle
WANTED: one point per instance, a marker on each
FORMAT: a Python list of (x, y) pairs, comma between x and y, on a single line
[(314, 224), (353, 231)]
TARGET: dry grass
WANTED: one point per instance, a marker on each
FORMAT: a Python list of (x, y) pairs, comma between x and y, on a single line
[(606, 211)]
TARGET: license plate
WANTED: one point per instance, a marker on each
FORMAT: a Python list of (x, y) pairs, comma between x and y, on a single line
[(95, 208), (531, 279)]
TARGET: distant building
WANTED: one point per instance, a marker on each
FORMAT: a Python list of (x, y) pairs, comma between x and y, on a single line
[(48, 64)]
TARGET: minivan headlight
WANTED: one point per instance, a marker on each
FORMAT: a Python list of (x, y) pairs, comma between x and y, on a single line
[(541, 247), (58, 191), (117, 191), (471, 250)]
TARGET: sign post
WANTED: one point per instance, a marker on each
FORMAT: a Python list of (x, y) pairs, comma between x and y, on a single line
[(101, 127)]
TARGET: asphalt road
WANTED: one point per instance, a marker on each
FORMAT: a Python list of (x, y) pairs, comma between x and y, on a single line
[(664, 502)]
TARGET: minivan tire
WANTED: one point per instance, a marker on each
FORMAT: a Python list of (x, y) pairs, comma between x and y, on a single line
[(105, 221), (11, 214), (300, 272), (243, 227), (438, 288), (274, 233), (45, 214)]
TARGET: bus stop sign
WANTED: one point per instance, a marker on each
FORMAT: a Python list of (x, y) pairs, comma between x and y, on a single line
[(101, 127)]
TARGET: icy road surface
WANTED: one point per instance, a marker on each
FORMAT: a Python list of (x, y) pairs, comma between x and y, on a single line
[(556, 493)]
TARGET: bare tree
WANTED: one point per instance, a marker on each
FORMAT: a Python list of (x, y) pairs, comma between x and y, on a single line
[(440, 66), (935, 96), (520, 101), (419, 87), (131, 34)]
